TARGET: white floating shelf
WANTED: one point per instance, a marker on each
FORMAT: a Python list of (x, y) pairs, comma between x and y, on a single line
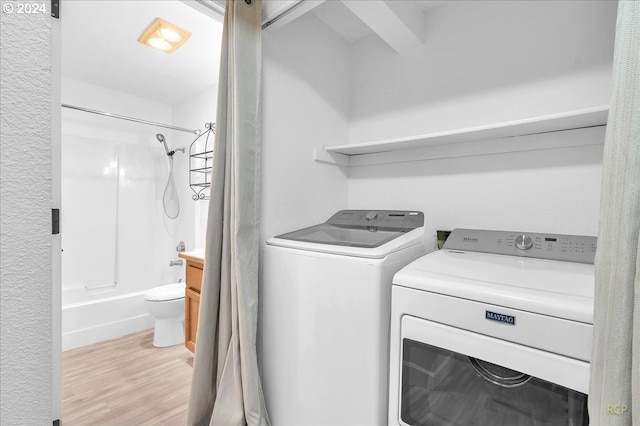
[(512, 136)]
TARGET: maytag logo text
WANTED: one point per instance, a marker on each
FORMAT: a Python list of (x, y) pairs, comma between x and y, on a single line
[(494, 316)]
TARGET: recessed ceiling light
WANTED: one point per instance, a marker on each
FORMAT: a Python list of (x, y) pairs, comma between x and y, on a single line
[(170, 35), (164, 36), (159, 43)]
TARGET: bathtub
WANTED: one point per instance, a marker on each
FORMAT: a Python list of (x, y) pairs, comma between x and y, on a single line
[(104, 316)]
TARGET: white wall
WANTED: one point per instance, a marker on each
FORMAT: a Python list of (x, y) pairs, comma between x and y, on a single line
[(305, 104), (25, 220), (194, 113), (485, 63), (555, 191)]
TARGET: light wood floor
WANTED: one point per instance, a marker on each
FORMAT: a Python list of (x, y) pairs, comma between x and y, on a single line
[(126, 381)]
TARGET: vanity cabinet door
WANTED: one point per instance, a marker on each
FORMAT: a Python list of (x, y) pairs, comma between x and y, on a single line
[(192, 307), (192, 302)]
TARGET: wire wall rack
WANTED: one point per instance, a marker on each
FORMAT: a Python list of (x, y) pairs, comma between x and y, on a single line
[(201, 163)]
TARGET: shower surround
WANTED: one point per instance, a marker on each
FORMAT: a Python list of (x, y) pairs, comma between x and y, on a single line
[(117, 241)]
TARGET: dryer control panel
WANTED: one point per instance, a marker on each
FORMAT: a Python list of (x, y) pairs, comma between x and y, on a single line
[(568, 248)]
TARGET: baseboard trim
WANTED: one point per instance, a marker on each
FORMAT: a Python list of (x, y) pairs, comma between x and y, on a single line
[(99, 333)]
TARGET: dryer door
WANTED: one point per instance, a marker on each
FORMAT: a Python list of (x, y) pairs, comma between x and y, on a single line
[(453, 377)]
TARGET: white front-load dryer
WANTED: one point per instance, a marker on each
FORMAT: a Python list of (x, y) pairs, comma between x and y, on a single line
[(326, 309), (494, 329)]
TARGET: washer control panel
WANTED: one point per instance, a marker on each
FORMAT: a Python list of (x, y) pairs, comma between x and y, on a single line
[(568, 248), (400, 220), (524, 242)]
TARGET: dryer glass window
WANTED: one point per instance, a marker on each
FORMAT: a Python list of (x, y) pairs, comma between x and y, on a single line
[(440, 387)]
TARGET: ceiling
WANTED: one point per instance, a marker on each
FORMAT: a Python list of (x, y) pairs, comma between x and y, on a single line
[(100, 46), (351, 27), (99, 38)]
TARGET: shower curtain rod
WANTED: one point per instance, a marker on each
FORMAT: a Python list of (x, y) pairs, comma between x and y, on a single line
[(282, 14), (136, 120), (215, 9)]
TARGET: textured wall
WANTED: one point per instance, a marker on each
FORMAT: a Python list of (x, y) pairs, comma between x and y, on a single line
[(25, 191)]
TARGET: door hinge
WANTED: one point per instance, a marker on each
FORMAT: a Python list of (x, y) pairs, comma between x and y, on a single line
[(55, 8), (55, 221)]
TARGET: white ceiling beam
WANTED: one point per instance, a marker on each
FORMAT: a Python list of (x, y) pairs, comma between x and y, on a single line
[(277, 13), (399, 23)]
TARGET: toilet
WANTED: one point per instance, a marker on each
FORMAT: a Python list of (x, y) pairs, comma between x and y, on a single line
[(166, 305)]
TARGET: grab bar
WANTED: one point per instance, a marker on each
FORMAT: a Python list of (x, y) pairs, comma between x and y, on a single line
[(176, 262)]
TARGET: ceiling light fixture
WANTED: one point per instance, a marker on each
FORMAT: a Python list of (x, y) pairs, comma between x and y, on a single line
[(164, 36)]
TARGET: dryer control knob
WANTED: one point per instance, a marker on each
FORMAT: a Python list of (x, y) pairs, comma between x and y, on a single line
[(524, 242), (371, 215)]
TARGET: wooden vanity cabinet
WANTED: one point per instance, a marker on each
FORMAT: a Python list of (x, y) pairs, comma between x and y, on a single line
[(192, 299)]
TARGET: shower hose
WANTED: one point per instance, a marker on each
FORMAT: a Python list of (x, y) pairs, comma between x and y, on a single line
[(166, 190)]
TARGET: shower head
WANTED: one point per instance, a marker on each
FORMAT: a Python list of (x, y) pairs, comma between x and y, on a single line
[(162, 140)]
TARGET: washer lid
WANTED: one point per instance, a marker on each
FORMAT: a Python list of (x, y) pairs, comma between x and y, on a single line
[(359, 228), (341, 235), (555, 288), (166, 292), (360, 233)]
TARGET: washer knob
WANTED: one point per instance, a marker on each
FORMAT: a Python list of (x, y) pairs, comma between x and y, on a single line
[(524, 242), (371, 215)]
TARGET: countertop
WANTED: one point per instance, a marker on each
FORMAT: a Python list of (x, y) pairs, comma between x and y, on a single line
[(194, 255)]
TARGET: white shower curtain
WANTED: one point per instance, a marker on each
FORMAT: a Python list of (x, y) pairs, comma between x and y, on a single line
[(614, 395), (226, 388)]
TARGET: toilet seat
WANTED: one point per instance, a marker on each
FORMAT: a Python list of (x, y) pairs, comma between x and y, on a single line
[(165, 293)]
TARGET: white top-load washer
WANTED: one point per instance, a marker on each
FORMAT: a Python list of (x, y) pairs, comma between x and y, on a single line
[(494, 329), (326, 309)]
